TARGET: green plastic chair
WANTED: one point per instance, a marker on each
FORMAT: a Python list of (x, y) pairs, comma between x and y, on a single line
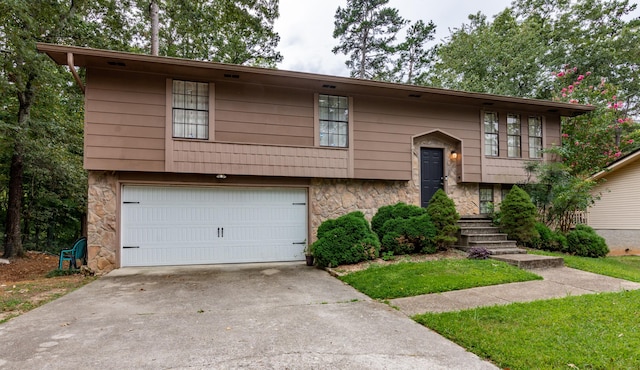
[(78, 252)]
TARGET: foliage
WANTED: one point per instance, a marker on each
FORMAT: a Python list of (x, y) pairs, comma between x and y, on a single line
[(398, 210), (583, 241), (348, 240), (518, 216), (409, 235), (559, 194), (621, 267), (366, 30), (518, 52), (404, 228), (548, 239), (478, 253), (592, 331), (410, 279), (592, 141), (236, 32), (444, 216)]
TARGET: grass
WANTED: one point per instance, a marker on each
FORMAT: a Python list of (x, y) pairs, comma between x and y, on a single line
[(410, 279), (622, 267), (597, 331), (19, 298)]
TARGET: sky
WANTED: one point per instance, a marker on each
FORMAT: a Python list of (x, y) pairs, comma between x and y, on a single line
[(306, 28)]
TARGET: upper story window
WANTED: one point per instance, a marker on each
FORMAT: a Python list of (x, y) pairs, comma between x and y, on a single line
[(491, 134), (190, 110), (334, 120), (535, 137), (513, 136)]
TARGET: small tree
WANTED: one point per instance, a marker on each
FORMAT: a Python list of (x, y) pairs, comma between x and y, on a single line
[(445, 218), (518, 216)]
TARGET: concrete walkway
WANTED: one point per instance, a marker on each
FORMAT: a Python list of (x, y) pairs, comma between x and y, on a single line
[(558, 283)]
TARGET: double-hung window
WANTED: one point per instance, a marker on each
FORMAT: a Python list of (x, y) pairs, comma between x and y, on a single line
[(513, 136), (190, 110), (334, 120), (486, 199), (491, 134), (535, 137)]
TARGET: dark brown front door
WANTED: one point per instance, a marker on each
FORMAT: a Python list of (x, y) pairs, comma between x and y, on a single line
[(431, 170)]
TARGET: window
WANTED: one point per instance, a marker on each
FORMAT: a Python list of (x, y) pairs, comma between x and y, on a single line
[(513, 136), (486, 199), (190, 110), (334, 120), (491, 134), (535, 137)]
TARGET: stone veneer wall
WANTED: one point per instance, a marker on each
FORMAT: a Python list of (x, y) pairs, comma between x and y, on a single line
[(102, 222)]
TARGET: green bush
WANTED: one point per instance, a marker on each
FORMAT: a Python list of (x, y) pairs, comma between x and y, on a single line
[(395, 211), (518, 216), (548, 239), (444, 216), (412, 235), (345, 240), (583, 241)]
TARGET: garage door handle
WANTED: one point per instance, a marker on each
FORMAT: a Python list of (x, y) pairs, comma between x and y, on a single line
[(299, 243), (130, 246), (221, 232)]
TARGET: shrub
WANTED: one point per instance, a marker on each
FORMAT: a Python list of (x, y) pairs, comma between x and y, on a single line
[(548, 239), (404, 236), (479, 253), (518, 216), (345, 240), (444, 216), (583, 241), (395, 211)]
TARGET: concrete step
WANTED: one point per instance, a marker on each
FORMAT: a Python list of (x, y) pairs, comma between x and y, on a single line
[(530, 261), (479, 230), (493, 244), (475, 223), (506, 251), (466, 238)]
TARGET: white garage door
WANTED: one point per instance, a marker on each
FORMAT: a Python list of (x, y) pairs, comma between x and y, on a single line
[(163, 225)]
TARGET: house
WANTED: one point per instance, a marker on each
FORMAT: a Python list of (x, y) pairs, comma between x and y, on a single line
[(192, 162), (616, 216)]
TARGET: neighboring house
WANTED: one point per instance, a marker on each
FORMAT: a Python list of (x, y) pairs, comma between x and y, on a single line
[(193, 162), (616, 216)]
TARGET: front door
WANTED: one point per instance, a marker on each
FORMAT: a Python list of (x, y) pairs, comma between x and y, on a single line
[(432, 174)]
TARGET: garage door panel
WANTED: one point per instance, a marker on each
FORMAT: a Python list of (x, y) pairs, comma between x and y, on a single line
[(179, 225)]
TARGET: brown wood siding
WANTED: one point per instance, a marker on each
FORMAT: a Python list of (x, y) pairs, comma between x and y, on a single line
[(247, 113), (124, 121), (259, 160), (387, 126)]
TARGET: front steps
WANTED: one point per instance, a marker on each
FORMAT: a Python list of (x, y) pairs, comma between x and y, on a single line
[(479, 231)]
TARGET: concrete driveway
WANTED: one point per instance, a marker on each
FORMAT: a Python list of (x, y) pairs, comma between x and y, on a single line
[(258, 316)]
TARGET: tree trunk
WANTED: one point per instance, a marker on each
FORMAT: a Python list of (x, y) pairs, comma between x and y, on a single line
[(155, 28), (12, 238)]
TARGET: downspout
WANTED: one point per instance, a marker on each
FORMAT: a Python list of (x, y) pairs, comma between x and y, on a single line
[(75, 74)]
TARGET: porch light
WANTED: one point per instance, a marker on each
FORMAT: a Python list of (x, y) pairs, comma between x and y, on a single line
[(221, 176), (454, 154)]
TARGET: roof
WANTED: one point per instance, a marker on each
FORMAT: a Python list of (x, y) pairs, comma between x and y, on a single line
[(618, 164), (179, 67)]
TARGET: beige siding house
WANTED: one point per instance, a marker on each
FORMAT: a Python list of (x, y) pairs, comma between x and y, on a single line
[(616, 216), (193, 162)]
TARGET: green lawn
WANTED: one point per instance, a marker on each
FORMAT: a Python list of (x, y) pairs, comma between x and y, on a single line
[(600, 331), (409, 279), (623, 267)]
